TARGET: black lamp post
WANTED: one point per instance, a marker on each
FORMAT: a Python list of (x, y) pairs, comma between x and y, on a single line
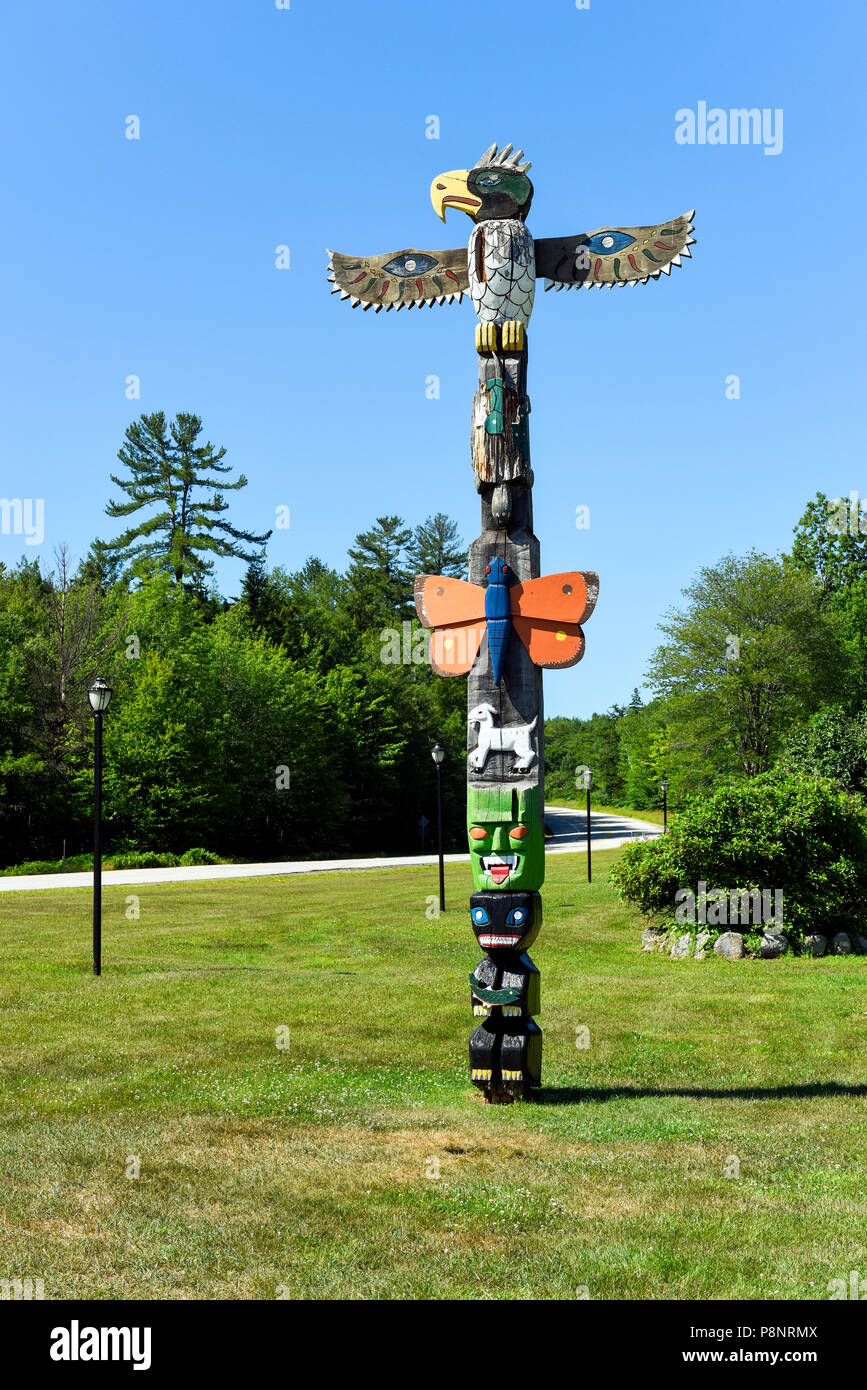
[(438, 754), (664, 785), (99, 696), (588, 783)]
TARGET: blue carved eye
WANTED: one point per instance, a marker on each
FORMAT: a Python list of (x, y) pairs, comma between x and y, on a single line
[(489, 180), (410, 263), (606, 243), (517, 917), (480, 917)]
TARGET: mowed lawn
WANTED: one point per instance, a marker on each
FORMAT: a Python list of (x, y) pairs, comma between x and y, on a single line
[(357, 1161)]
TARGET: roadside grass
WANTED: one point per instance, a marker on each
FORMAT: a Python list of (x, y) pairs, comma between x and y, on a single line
[(311, 1171)]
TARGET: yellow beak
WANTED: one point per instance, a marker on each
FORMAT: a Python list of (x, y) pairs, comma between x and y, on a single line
[(450, 191)]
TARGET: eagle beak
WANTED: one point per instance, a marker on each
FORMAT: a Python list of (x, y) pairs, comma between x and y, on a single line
[(450, 191)]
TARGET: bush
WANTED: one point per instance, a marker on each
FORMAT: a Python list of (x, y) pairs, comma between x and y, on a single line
[(146, 860), (200, 856), (804, 836), (830, 745)]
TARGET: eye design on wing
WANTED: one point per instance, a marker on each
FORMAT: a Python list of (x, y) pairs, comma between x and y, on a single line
[(517, 917), (606, 243), (410, 263), (480, 917)]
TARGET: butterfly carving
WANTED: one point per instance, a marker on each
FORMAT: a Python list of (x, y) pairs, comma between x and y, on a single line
[(546, 613)]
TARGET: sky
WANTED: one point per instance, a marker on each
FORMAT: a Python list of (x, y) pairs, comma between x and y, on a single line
[(264, 125)]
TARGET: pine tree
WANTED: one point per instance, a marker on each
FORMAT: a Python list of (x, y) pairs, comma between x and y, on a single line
[(167, 470), (437, 548), (379, 581)]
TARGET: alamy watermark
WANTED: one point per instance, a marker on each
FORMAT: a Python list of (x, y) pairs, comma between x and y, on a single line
[(737, 126), (23, 516), (727, 907), (846, 514)]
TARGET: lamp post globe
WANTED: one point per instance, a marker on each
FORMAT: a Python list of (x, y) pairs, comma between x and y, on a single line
[(99, 695)]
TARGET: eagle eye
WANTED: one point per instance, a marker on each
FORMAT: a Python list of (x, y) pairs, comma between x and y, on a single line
[(606, 243), (410, 263)]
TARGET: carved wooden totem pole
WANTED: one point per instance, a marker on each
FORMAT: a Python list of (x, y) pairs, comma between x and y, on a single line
[(509, 621)]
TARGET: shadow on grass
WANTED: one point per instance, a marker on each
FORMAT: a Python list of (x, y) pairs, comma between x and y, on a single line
[(580, 1095)]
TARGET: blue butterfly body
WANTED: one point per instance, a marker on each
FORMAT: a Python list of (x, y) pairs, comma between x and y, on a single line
[(498, 614)]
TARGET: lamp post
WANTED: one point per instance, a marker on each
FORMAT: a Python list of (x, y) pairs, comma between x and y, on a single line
[(588, 783), (438, 754), (99, 696), (664, 785)]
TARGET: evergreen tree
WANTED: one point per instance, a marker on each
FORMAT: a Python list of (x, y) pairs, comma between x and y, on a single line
[(436, 547), (168, 470), (379, 581)]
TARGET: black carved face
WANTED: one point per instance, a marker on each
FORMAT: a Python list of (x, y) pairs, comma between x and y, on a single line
[(504, 193), (506, 921)]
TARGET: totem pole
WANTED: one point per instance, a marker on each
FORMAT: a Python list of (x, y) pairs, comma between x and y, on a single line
[(508, 621)]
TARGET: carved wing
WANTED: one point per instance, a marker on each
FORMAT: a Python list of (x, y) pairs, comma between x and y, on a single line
[(614, 255), (547, 612), (406, 279)]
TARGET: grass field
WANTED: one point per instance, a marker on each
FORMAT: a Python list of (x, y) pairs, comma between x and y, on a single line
[(310, 1171)]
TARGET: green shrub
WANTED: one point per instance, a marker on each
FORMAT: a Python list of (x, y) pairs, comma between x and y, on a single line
[(146, 860), (804, 836), (200, 856)]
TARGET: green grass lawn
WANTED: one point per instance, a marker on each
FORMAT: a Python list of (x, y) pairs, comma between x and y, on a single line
[(311, 1170)]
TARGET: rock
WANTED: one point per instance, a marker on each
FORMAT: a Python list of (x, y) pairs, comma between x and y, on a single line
[(860, 944), (774, 943), (700, 942), (730, 945), (841, 945), (652, 939), (681, 947), (815, 944)]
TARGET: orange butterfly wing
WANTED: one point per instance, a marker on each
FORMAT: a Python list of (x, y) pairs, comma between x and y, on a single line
[(547, 613), (456, 612), (550, 644), (566, 598)]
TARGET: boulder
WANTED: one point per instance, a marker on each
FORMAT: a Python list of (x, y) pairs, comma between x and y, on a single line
[(860, 944), (841, 945), (681, 947), (815, 944), (652, 939), (774, 943), (700, 942), (730, 945)]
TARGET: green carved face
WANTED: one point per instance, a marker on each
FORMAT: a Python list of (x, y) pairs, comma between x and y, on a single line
[(505, 834)]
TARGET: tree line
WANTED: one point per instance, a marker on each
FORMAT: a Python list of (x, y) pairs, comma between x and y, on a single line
[(268, 726), (762, 667)]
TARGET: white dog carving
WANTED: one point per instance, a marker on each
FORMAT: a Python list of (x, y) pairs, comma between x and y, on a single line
[(514, 738)]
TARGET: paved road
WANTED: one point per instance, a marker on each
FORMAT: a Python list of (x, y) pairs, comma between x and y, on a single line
[(606, 831), (569, 827)]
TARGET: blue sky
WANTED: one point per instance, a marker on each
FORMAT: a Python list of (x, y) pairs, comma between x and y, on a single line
[(306, 127)]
